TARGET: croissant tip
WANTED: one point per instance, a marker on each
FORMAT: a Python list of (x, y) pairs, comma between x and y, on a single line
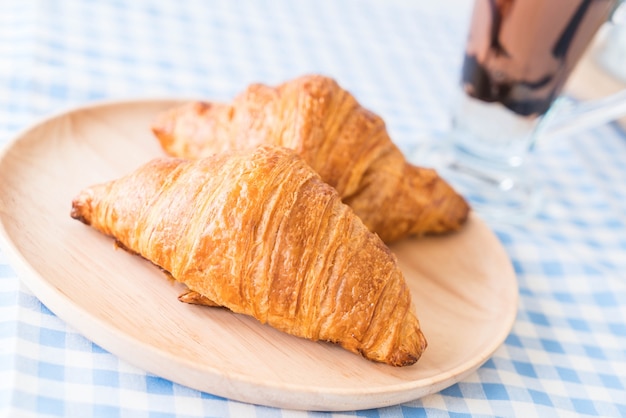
[(201, 106), (161, 125), (81, 209), (408, 361), (403, 359), (80, 218)]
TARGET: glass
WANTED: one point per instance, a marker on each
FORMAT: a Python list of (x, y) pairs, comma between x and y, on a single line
[(612, 54), (518, 56)]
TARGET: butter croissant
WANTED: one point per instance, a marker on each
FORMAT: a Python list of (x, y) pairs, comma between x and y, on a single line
[(260, 233), (345, 143)]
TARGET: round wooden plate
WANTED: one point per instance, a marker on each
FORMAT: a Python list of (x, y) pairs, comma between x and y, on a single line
[(463, 284)]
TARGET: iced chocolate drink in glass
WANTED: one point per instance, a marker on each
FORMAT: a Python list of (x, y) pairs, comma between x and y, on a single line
[(518, 57)]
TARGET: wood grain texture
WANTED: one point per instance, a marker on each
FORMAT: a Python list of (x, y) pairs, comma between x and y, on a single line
[(463, 284)]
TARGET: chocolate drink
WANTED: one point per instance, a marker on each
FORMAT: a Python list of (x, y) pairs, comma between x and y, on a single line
[(520, 53)]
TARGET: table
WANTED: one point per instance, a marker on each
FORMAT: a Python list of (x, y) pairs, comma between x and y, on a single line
[(565, 355)]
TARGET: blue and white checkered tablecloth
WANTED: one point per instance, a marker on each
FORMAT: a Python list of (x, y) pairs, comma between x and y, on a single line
[(566, 354)]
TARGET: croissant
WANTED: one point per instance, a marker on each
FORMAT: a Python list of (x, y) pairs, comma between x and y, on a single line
[(345, 143), (259, 232)]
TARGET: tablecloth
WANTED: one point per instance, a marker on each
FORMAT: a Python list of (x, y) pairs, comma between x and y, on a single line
[(566, 353)]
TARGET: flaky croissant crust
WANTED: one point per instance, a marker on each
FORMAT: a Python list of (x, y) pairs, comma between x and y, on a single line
[(344, 142), (261, 234)]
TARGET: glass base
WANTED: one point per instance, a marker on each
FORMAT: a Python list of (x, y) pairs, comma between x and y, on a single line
[(496, 194)]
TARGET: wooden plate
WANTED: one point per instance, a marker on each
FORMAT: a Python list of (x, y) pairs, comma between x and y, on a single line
[(464, 287)]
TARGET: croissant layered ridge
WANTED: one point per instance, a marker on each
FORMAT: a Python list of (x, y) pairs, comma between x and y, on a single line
[(261, 234), (344, 142)]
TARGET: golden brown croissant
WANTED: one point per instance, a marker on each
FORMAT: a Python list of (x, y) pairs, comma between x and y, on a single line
[(345, 143), (260, 233)]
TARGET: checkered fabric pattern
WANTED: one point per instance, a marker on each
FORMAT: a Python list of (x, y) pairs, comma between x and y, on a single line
[(566, 354)]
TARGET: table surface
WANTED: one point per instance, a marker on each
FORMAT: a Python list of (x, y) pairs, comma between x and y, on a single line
[(566, 353)]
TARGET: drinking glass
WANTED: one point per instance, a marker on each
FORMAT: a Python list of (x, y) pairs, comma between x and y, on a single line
[(518, 56)]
